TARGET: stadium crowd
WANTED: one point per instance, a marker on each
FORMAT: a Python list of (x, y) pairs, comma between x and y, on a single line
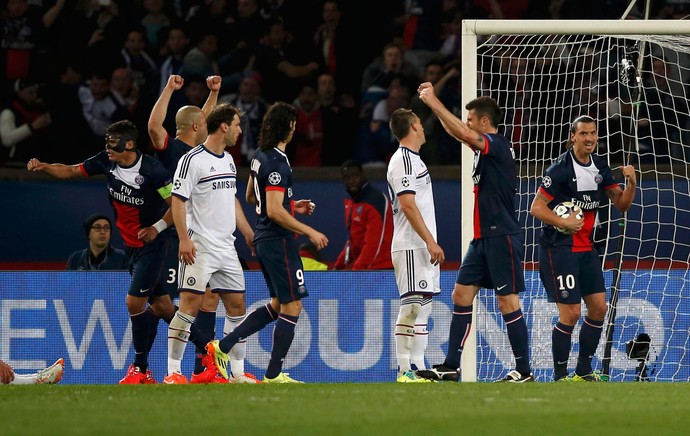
[(71, 67)]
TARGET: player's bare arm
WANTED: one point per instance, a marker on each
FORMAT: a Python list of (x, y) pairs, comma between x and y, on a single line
[(409, 208), (452, 124), (540, 210), (277, 213), (243, 226), (623, 199), (155, 126), (148, 234), (57, 170), (213, 84), (187, 250), (250, 195)]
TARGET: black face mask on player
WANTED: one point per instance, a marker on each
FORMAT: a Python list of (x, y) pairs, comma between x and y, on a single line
[(118, 144)]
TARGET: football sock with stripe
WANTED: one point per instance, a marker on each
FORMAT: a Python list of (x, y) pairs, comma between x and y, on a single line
[(459, 329), (421, 335), (590, 334), (283, 334), (254, 322), (140, 339), (404, 331), (519, 342), (561, 342), (178, 335)]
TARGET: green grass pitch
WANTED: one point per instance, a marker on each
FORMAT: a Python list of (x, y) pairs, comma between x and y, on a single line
[(348, 409)]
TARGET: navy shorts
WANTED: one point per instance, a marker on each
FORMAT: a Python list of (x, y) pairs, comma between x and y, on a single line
[(494, 263), (282, 268), (568, 276), (149, 270)]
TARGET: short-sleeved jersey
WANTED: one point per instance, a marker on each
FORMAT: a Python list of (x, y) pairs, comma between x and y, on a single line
[(494, 174), (271, 172), (407, 174), (207, 182), (172, 153), (585, 185), (137, 193)]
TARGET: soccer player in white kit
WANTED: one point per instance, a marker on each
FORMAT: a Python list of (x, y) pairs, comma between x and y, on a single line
[(206, 213), (416, 254)]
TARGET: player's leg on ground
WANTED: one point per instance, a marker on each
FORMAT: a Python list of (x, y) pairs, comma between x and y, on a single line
[(421, 334), (590, 332), (255, 321), (509, 305), (205, 322), (561, 342), (410, 306), (179, 328), (283, 334), (460, 324), (235, 313), (136, 306)]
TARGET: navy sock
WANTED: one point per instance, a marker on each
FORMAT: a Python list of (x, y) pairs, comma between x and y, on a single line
[(519, 342), (205, 322), (459, 329), (254, 322), (140, 336), (590, 333), (561, 342), (283, 334), (153, 328)]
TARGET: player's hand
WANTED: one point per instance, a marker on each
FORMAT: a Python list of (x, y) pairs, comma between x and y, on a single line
[(572, 224), (436, 253), (6, 373), (35, 165), (187, 253), (426, 92), (147, 234), (629, 174), (175, 82), (318, 239), (250, 243), (213, 83), (305, 207)]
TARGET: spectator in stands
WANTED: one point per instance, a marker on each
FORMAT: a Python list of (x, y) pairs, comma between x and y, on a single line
[(99, 107), (176, 45), (311, 258), (369, 221), (23, 124), (154, 20), (252, 108), (201, 59), (51, 375), (376, 143), (137, 60), (389, 70), (124, 90), (100, 255), (306, 147), (339, 114)]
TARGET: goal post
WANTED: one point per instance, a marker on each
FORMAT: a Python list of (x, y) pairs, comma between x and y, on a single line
[(543, 75)]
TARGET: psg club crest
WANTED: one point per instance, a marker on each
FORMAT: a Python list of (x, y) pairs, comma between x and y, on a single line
[(274, 178), (139, 179), (546, 182), (598, 179), (565, 294), (405, 182)]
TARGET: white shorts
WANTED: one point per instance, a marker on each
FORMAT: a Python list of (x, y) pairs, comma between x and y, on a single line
[(414, 272), (221, 270)]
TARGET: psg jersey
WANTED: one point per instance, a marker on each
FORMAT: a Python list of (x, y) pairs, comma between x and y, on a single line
[(137, 192), (271, 172), (567, 179), (495, 180), (172, 153)]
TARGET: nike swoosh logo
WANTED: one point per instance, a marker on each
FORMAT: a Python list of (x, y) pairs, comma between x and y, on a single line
[(561, 363), (501, 287), (141, 291), (575, 179)]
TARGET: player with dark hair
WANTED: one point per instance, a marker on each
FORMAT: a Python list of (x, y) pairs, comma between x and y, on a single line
[(494, 257), (100, 255), (416, 255), (270, 189), (369, 220), (569, 266), (139, 191), (206, 213)]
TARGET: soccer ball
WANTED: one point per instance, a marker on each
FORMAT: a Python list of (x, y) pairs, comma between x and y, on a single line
[(564, 210)]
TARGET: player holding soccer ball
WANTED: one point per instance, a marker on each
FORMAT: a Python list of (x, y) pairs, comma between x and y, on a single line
[(568, 264)]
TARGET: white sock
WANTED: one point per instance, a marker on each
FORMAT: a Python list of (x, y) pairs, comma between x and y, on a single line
[(178, 335), (24, 379), (239, 351), (421, 335), (404, 332)]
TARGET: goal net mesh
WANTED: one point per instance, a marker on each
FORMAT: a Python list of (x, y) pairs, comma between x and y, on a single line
[(636, 87)]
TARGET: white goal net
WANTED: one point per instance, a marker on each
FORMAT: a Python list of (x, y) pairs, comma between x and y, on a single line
[(636, 87)]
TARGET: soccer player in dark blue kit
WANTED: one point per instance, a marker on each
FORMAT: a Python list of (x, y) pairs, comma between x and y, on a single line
[(139, 190), (494, 258), (569, 267), (270, 189)]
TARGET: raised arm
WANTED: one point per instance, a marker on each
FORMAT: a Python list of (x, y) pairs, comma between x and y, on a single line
[(622, 199), (409, 208), (156, 130), (213, 83), (452, 124), (57, 170)]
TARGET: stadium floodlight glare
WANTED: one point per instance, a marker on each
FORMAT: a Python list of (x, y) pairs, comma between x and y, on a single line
[(630, 76)]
